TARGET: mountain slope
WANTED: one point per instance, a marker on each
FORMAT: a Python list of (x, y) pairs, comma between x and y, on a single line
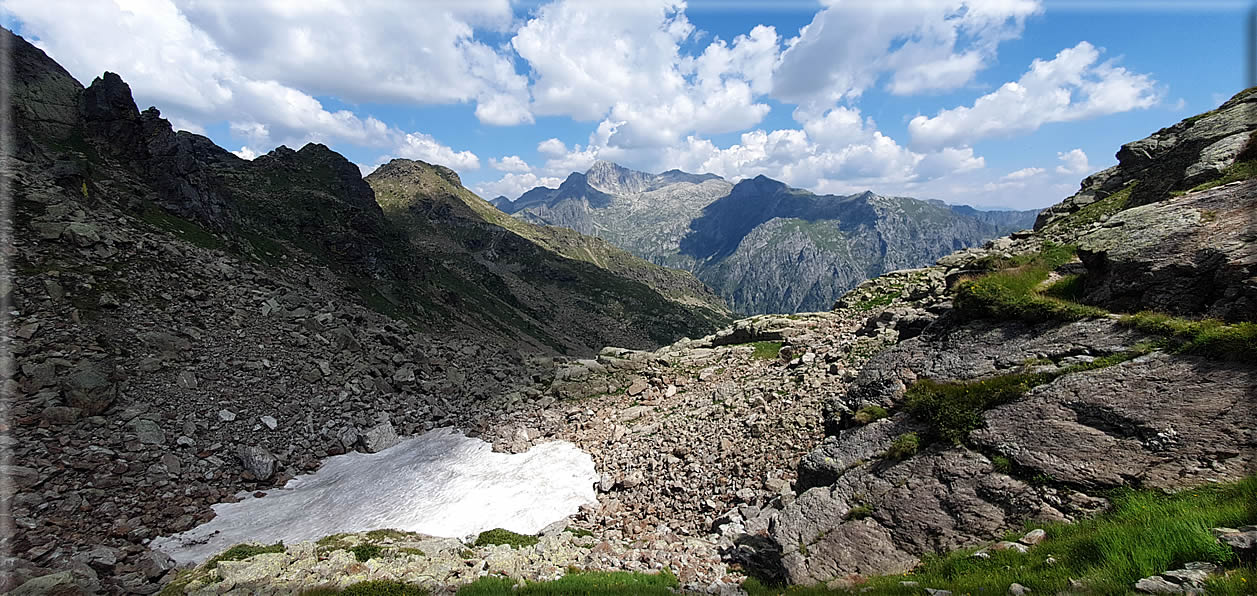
[(762, 246), (314, 204)]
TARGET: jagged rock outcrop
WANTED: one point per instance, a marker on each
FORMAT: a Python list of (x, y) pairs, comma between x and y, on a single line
[(1175, 158)]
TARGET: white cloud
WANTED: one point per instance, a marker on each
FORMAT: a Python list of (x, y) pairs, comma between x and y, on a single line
[(423, 147), (196, 78), (621, 63), (513, 185), (1023, 173), (1073, 161), (552, 147), (924, 45), (246, 153), (1071, 86), (511, 163)]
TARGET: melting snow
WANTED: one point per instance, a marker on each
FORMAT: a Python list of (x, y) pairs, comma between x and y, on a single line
[(440, 483)]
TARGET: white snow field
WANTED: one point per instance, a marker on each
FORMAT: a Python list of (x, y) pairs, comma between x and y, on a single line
[(440, 483)]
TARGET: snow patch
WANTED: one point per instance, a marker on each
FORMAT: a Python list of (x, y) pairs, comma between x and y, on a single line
[(440, 483)]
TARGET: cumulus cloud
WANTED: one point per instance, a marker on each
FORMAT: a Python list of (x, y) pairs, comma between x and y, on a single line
[(511, 163), (198, 69), (423, 147), (246, 153), (1073, 161), (514, 185), (923, 45), (621, 63), (1023, 173), (1071, 86)]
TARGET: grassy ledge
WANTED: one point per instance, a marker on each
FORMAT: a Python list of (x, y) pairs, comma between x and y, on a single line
[(1012, 291), (1210, 338), (1144, 534), (371, 588)]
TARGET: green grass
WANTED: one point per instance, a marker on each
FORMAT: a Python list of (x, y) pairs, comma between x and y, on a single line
[(579, 532), (584, 583), (1145, 533), (905, 446), (500, 536), (241, 552), (1210, 338), (766, 350), (388, 534), (1240, 170), (870, 413), (1012, 292), (366, 552), (875, 301), (1096, 211), (1068, 287), (371, 588), (1001, 464), (407, 550), (860, 512)]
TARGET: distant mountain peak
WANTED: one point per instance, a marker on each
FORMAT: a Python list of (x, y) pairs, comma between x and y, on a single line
[(613, 178)]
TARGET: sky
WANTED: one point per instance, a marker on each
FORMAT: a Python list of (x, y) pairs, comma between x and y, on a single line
[(990, 103)]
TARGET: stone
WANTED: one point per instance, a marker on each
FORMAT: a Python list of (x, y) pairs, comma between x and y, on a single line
[(638, 386), (81, 234), (1033, 537), (258, 461), (1158, 585), (148, 432), (226, 415), (632, 480), (379, 437), (20, 475), (269, 422), (61, 415), (187, 379), (1016, 589)]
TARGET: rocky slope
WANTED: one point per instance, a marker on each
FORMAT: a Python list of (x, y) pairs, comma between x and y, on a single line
[(313, 204), (764, 247), (186, 325)]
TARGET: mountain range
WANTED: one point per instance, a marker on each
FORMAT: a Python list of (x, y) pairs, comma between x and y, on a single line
[(761, 245)]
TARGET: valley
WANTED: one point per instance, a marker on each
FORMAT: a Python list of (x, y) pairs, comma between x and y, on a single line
[(190, 332)]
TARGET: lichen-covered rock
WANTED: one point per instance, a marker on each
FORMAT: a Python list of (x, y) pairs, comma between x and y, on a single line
[(1191, 255)]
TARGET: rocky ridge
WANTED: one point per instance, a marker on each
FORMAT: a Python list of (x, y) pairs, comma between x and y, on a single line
[(762, 246)]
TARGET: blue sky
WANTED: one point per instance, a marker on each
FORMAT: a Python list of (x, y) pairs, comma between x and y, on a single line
[(993, 103)]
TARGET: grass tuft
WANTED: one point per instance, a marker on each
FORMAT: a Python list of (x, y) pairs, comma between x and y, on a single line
[(241, 552), (870, 413), (366, 552), (905, 446), (371, 588), (766, 350), (1210, 338), (579, 584), (500, 536), (1240, 170)]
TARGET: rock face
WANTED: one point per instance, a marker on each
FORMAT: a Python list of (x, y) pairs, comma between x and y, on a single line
[(1152, 418), (1173, 159), (1193, 254), (449, 269), (761, 245)]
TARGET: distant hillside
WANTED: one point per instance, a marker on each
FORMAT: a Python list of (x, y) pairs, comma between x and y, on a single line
[(762, 246)]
